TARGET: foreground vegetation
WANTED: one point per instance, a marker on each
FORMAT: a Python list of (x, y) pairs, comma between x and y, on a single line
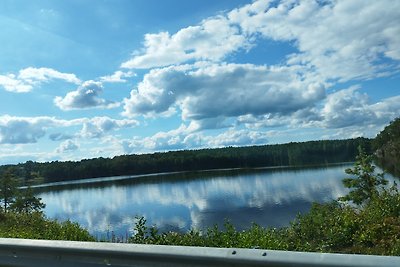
[(21, 215), (36, 226)]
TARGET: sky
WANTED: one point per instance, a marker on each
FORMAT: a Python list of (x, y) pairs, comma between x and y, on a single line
[(101, 78)]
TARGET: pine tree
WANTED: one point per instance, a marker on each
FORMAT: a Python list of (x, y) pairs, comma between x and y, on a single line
[(364, 183), (8, 189)]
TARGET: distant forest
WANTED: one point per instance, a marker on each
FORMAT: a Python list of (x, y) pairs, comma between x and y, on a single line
[(290, 154)]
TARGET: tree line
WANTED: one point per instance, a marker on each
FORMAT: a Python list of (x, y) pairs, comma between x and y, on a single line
[(290, 154), (387, 147)]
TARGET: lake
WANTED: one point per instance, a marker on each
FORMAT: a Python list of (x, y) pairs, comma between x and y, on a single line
[(181, 201)]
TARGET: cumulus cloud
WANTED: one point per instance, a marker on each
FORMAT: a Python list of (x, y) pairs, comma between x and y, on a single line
[(67, 146), (211, 40), (301, 118), (330, 47), (327, 35), (12, 84), (86, 96), (98, 126), (45, 74), (348, 107), (209, 123), (185, 138), (30, 77), (161, 141), (234, 137), (60, 136), (22, 130), (225, 90), (117, 77)]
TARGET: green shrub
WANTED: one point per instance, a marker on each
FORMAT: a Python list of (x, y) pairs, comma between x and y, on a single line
[(373, 228), (36, 226), (326, 228)]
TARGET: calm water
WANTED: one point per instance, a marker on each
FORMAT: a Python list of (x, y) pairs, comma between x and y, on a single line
[(181, 201)]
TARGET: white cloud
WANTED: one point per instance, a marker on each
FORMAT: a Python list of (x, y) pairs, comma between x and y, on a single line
[(209, 123), (349, 108), (12, 84), (346, 108), (332, 47), (33, 75), (86, 96), (22, 130), (226, 90), (117, 77), (60, 136), (67, 146), (16, 153), (235, 137), (30, 77), (211, 40), (301, 118), (387, 109), (98, 126), (328, 36), (184, 138), (161, 141)]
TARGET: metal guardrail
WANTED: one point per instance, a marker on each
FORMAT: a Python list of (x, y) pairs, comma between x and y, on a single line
[(32, 253)]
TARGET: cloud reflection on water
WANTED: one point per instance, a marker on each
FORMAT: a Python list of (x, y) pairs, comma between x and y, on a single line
[(270, 197)]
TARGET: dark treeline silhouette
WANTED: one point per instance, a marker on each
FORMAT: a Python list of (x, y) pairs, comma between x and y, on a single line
[(387, 147), (290, 154)]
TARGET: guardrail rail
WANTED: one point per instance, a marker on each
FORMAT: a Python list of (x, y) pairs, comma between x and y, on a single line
[(32, 253)]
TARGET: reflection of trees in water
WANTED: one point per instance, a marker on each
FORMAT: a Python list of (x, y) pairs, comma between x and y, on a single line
[(181, 201), (172, 177)]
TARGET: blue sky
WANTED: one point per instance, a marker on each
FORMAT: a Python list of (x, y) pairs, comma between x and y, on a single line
[(84, 79)]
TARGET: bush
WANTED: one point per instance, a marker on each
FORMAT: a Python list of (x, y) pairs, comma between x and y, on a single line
[(325, 228), (36, 226), (379, 232)]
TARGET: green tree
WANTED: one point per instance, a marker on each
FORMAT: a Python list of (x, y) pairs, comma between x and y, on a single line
[(34, 179), (27, 202), (8, 189), (364, 182)]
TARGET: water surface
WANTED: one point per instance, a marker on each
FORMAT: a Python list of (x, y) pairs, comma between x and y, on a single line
[(181, 201)]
